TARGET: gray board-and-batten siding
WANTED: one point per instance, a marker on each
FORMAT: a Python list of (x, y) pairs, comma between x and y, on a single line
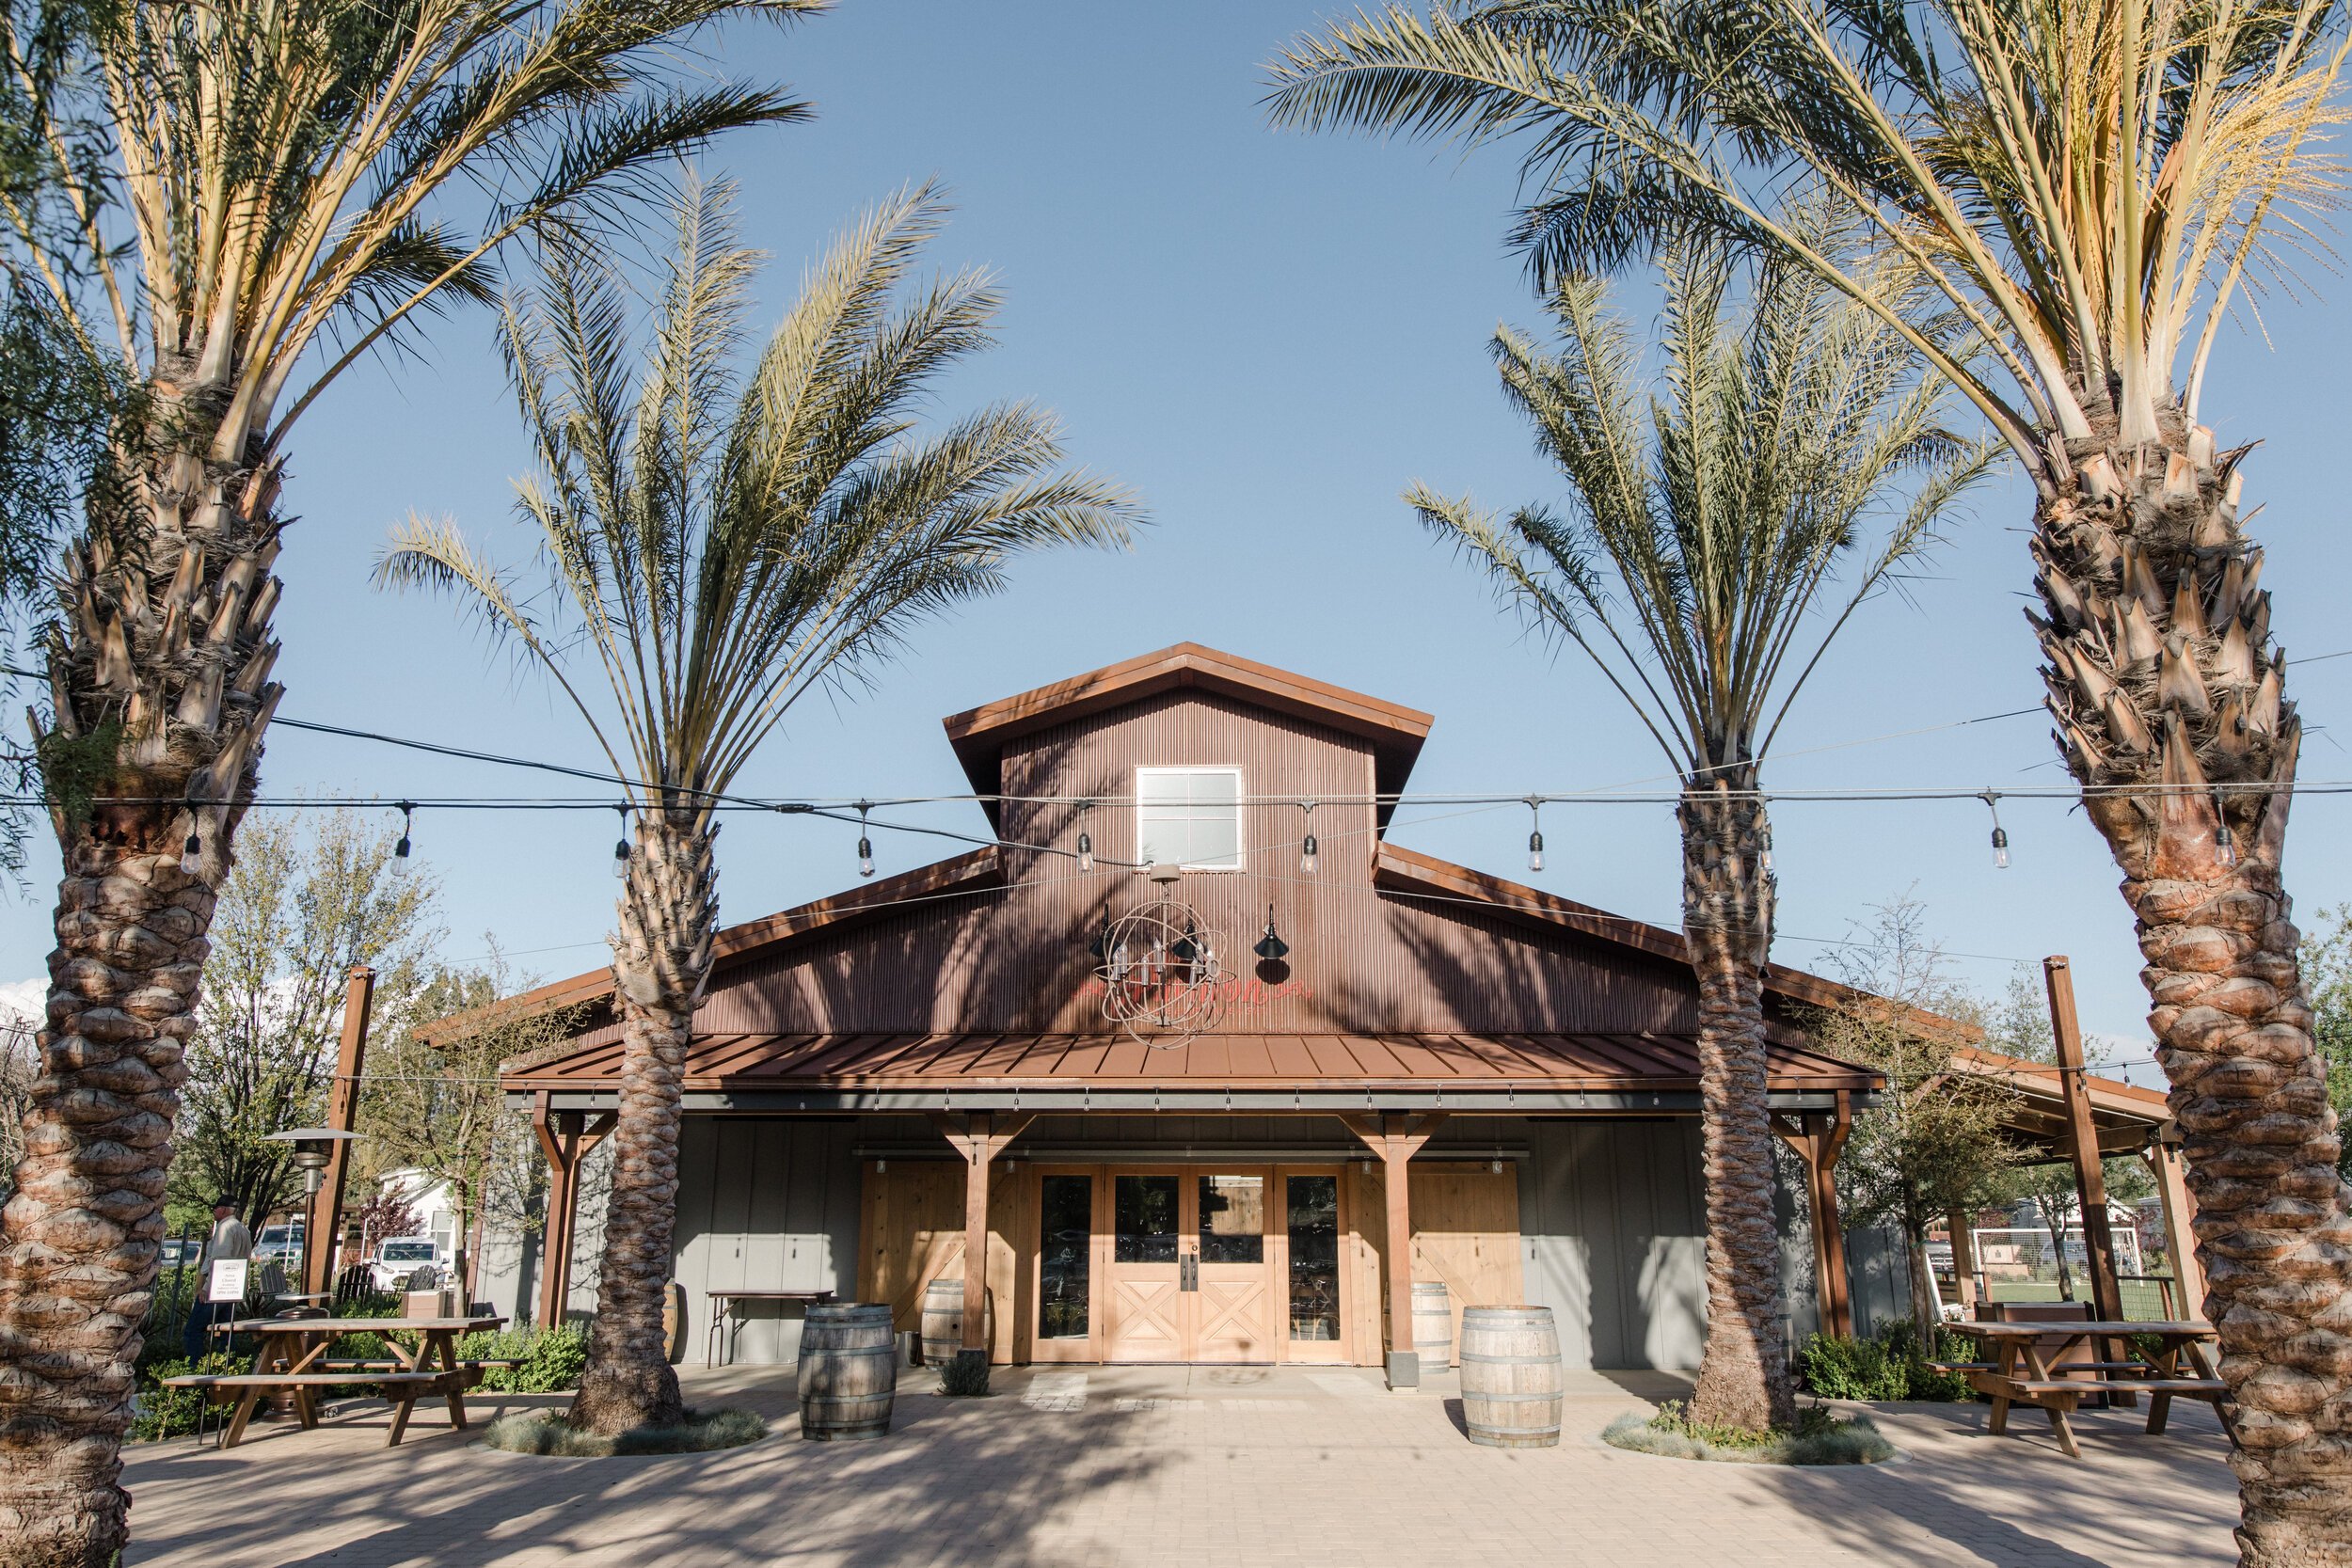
[(1612, 1217)]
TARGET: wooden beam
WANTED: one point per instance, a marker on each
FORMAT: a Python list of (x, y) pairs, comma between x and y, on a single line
[(1827, 1142), (343, 1110), (560, 1134), (2180, 1227), (1963, 1259), (2090, 1186), (1396, 1137), (980, 1138)]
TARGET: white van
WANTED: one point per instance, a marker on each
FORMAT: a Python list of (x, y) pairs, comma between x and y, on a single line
[(402, 1256)]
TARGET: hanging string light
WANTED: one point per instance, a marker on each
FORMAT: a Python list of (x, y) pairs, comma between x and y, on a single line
[(192, 852), (1307, 848), (2225, 844), (400, 850), (1086, 840), (865, 845), (2000, 834), (1535, 838), (620, 845)]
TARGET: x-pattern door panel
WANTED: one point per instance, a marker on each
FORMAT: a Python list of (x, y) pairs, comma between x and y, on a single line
[(1191, 1277)]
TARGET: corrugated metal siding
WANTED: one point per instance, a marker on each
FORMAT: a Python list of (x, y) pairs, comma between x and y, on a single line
[(1615, 1226), (765, 1205)]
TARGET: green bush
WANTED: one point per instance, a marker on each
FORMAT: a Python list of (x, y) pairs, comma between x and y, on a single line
[(963, 1373), (1820, 1438), (549, 1359), (158, 1412), (544, 1433), (1892, 1364)]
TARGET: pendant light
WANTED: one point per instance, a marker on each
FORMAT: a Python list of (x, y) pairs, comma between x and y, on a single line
[(865, 845), (1307, 848), (1086, 840), (192, 852), (620, 846), (400, 850), (2000, 836), (1535, 838), (2224, 842), (1271, 946)]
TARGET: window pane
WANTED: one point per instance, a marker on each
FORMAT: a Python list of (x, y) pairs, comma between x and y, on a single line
[(1233, 1219), (1143, 1219), (1066, 1250), (1314, 1282), (1216, 786), (1215, 839), (1163, 836), (1190, 816)]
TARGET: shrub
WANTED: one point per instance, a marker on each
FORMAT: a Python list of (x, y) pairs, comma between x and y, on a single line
[(964, 1373), (1890, 1365), (543, 1432), (1819, 1438), (549, 1359), (158, 1412)]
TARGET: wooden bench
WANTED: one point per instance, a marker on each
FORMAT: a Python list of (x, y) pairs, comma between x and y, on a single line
[(2162, 1391), (402, 1388)]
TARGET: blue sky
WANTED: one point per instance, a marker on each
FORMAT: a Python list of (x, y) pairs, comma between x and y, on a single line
[(1268, 335)]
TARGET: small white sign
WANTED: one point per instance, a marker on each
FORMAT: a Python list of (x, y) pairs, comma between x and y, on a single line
[(227, 1280)]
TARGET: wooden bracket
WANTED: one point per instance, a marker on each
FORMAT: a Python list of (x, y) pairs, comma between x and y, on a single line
[(980, 1137), (1389, 1136)]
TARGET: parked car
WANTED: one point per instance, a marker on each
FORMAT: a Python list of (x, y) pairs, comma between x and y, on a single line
[(278, 1243), (400, 1257), (179, 1251)]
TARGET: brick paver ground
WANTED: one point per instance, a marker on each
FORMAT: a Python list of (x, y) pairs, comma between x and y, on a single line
[(1199, 1467)]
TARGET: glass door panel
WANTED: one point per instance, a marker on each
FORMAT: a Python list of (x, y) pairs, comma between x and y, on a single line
[(1314, 1258), (1233, 1219), (1066, 1252), (1231, 1290), (1143, 1221), (1144, 1300)]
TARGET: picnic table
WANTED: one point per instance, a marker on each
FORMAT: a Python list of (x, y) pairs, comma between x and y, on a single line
[(292, 1360), (2027, 1370), (726, 1309)]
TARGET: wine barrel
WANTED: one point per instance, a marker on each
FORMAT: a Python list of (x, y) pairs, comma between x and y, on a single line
[(943, 1320), (1433, 1326), (849, 1372), (674, 1322), (1511, 1379)]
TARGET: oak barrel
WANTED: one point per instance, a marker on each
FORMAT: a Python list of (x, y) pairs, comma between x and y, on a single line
[(849, 1373), (943, 1320), (1511, 1379), (1433, 1326)]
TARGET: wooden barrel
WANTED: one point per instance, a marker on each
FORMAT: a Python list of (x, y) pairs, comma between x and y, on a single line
[(674, 1322), (849, 1373), (1433, 1326), (1511, 1381), (943, 1320)]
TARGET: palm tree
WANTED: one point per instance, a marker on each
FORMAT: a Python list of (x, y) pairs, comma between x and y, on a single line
[(2093, 186), (234, 203), (1689, 567), (724, 547)]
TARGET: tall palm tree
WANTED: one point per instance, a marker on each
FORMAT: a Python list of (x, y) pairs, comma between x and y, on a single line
[(1695, 566), (2093, 186), (723, 546), (234, 203)]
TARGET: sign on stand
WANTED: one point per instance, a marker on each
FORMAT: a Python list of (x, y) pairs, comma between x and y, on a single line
[(227, 1280)]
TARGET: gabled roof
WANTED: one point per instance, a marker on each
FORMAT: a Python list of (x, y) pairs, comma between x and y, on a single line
[(979, 734)]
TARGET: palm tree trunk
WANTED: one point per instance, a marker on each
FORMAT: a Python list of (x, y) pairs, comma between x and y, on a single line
[(1743, 1373), (660, 958), (159, 670), (2172, 710)]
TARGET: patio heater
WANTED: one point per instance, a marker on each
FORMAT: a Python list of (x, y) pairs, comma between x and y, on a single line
[(312, 1148)]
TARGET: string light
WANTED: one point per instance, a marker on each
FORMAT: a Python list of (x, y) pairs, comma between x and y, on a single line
[(192, 852), (1307, 848), (620, 846), (2224, 842), (400, 850), (865, 845), (1535, 838), (1086, 840), (2000, 834)]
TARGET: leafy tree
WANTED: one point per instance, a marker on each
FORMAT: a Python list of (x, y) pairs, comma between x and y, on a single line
[(2327, 959), (721, 545), (310, 897), (1934, 1144), (1706, 525), (2093, 186), (229, 205)]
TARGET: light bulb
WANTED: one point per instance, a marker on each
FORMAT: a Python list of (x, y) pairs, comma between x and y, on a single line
[(192, 856), (1535, 851), (1306, 855), (620, 857), (400, 857), (1085, 852), (2228, 846), (2001, 849), (865, 856)]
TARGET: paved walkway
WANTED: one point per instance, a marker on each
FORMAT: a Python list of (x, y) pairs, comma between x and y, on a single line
[(1135, 1468)]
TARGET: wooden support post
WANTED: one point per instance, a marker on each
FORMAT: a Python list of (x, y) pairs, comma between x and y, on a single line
[(1963, 1259), (1820, 1140), (321, 1242), (2180, 1224), (566, 1138), (2090, 1186), (1396, 1138), (980, 1138)]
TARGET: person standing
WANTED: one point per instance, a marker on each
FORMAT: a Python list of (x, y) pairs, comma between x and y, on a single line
[(229, 1237)]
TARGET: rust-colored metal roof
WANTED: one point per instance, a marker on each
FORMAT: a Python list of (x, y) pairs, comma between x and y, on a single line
[(1396, 732), (1465, 1063)]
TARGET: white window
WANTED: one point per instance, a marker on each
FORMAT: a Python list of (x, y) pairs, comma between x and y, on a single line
[(1189, 817)]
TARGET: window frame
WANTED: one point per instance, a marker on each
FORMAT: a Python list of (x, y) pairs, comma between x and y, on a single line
[(1241, 795)]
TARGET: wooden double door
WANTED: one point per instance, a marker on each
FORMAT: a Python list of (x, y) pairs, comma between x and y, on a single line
[(1189, 1264)]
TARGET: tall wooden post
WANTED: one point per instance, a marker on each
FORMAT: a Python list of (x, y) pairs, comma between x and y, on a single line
[(565, 1137), (1396, 1139), (2091, 1184), (1818, 1141), (1963, 1259), (322, 1242), (979, 1138), (2180, 1225)]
